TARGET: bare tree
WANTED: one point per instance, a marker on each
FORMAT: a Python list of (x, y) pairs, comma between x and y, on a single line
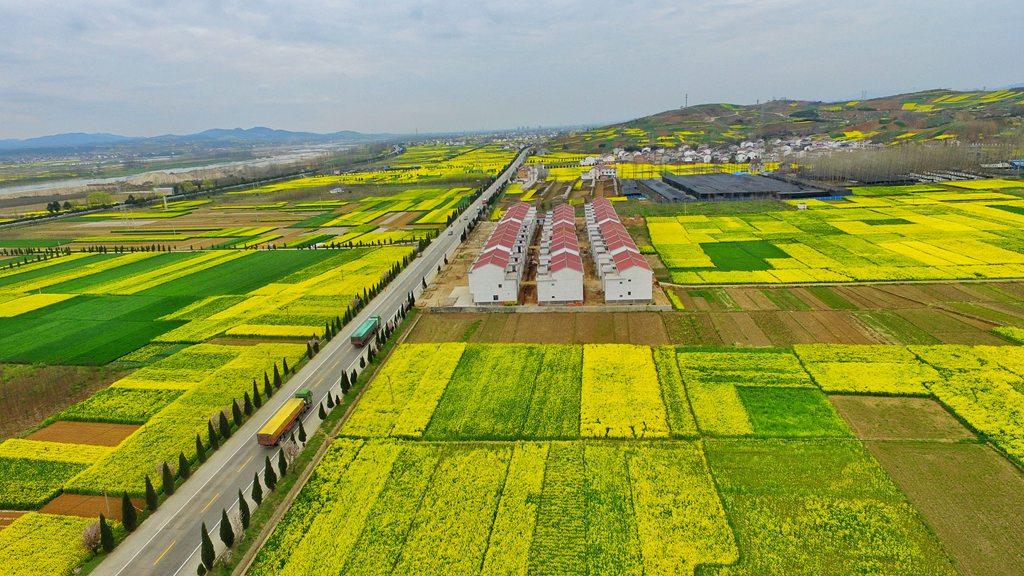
[(91, 537)]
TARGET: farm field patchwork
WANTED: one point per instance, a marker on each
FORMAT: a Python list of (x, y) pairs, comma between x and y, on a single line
[(781, 484), (915, 236)]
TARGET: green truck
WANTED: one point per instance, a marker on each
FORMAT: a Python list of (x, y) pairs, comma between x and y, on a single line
[(366, 331)]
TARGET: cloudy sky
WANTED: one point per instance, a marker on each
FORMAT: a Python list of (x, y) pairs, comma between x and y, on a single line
[(139, 67)]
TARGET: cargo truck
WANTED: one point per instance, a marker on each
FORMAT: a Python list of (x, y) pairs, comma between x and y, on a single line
[(366, 331), (285, 419)]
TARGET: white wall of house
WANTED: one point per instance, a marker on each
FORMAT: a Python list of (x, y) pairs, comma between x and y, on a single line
[(489, 285), (632, 284), (565, 285)]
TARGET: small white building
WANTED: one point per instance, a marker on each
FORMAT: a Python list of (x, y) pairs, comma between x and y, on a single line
[(560, 266), (625, 274), (497, 272)]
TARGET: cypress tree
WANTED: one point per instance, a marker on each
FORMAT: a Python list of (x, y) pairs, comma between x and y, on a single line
[(236, 413), (267, 390), (269, 477), (302, 433), (337, 400), (214, 441), (316, 345), (257, 490), (207, 554), (243, 510), (247, 404), (362, 362), (106, 535), (285, 362), (309, 350), (321, 413), (353, 378), (225, 428), (330, 401), (168, 480), (282, 463), (344, 383), (152, 500), (200, 450), (257, 400), (227, 533), (128, 516), (277, 377), (183, 467)]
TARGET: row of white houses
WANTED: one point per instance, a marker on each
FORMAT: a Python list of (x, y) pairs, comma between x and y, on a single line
[(560, 267), (498, 271), (625, 274)]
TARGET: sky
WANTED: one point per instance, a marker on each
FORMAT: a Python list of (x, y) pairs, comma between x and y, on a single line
[(142, 68)]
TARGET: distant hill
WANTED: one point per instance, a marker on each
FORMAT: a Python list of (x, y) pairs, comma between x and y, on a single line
[(69, 140), (919, 116), (258, 136)]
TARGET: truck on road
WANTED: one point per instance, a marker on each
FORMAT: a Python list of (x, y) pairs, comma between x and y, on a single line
[(285, 419), (366, 331)]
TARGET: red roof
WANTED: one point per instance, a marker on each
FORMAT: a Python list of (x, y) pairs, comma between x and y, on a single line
[(566, 260), (626, 260), (616, 238), (495, 257), (498, 248)]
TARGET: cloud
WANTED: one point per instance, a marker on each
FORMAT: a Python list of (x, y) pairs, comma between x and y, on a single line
[(147, 67)]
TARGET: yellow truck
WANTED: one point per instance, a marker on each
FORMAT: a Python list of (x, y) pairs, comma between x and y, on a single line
[(284, 419)]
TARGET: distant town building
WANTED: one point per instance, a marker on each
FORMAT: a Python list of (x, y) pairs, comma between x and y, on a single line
[(625, 274), (497, 272), (560, 269)]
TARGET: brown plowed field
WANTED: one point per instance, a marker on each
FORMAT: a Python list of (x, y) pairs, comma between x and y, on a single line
[(88, 506), (9, 516), (889, 418), (95, 433)]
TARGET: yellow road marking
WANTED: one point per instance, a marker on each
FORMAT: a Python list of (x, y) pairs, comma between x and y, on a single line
[(246, 463), (210, 502), (164, 553)]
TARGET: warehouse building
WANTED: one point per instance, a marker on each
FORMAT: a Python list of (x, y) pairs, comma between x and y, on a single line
[(711, 187), (625, 274), (560, 269), (498, 270)]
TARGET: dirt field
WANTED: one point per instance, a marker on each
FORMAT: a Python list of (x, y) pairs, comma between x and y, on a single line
[(969, 495), (88, 506), (542, 327), (8, 516), (455, 274), (885, 418), (95, 433), (28, 394), (900, 314)]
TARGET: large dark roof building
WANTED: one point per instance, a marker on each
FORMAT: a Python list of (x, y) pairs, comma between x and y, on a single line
[(740, 187)]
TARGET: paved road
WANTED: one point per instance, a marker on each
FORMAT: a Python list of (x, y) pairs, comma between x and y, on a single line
[(168, 542)]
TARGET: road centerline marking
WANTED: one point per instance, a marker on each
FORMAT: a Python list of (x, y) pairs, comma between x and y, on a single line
[(164, 553), (205, 508)]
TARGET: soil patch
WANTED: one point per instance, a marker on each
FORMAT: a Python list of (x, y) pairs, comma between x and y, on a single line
[(29, 394), (969, 495), (94, 433), (88, 506), (894, 418), (9, 516)]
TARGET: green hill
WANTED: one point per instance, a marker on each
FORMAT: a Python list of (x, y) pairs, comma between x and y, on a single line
[(919, 116)]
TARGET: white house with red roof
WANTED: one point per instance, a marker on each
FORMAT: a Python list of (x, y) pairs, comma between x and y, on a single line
[(625, 274), (497, 272), (560, 269)]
